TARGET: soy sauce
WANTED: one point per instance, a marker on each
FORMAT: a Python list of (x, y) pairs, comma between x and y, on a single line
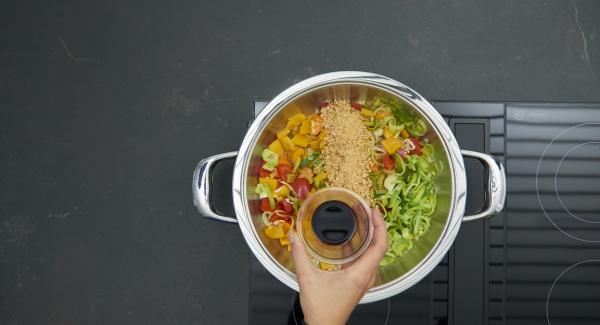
[(334, 222)]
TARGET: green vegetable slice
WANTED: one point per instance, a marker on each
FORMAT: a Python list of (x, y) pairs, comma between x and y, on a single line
[(407, 197), (264, 192), (271, 159), (311, 158), (418, 128)]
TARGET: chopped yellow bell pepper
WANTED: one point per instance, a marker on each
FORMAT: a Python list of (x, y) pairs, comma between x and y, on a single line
[(326, 267), (321, 136), (316, 124), (287, 143), (270, 182), (307, 173), (284, 241), (274, 232), (300, 140), (404, 133), (314, 144), (386, 133), (283, 160), (367, 112), (295, 120), (322, 145), (283, 133), (285, 226), (381, 114), (282, 191), (391, 145), (297, 154), (305, 127), (292, 177), (276, 147), (320, 177)]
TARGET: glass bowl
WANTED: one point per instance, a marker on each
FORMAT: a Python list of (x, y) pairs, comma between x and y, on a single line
[(335, 225)]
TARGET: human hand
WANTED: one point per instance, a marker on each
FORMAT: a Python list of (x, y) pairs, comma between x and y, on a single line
[(329, 297)]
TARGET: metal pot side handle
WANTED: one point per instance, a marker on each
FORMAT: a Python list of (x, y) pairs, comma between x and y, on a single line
[(496, 186), (201, 186)]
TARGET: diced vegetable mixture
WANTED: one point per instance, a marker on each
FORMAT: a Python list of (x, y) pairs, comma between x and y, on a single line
[(292, 169)]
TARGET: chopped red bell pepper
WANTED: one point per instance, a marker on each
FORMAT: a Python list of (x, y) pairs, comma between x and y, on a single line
[(288, 207), (283, 170), (274, 217), (265, 205), (356, 106), (302, 187), (418, 148), (279, 206), (388, 162)]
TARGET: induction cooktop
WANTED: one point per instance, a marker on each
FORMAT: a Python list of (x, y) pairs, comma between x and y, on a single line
[(537, 262)]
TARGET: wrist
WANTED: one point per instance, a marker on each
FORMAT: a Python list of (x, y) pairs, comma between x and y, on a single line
[(324, 321)]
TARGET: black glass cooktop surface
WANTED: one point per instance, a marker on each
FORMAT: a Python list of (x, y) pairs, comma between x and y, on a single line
[(537, 262), (552, 253)]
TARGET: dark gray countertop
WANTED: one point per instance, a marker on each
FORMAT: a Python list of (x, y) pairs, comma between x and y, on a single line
[(107, 106)]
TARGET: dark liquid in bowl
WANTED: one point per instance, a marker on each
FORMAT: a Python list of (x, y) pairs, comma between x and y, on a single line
[(334, 222)]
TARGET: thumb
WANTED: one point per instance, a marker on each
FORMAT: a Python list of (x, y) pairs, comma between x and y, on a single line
[(369, 261), (301, 260)]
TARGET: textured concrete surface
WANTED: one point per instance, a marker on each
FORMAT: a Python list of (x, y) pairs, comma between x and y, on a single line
[(107, 106)]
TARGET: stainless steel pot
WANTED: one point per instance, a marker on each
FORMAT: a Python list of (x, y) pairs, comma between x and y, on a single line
[(427, 252)]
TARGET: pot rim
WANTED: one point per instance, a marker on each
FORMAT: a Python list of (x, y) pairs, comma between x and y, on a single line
[(455, 162)]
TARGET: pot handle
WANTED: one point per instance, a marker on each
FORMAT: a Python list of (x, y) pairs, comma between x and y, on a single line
[(201, 186), (495, 193)]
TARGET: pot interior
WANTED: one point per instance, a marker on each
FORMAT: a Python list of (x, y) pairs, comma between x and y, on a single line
[(307, 103)]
